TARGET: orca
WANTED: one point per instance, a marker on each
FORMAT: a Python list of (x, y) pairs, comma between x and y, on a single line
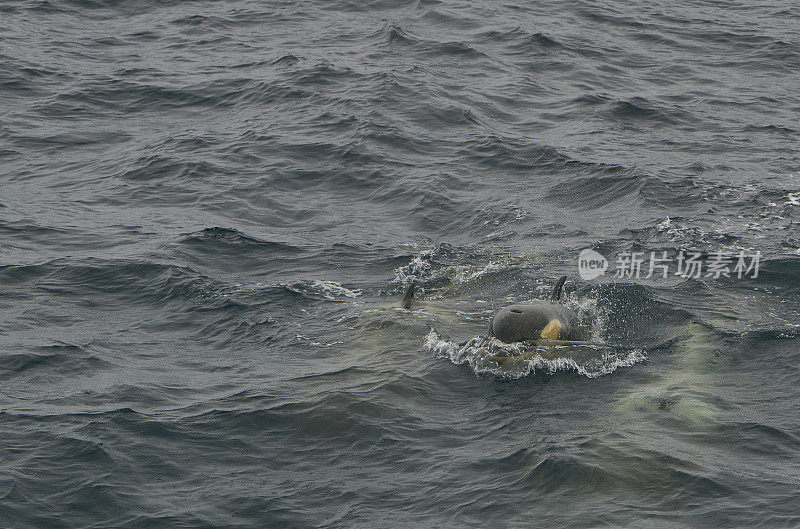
[(408, 299), (537, 320)]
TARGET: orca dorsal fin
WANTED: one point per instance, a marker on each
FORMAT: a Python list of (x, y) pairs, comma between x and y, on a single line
[(556, 295), (409, 297)]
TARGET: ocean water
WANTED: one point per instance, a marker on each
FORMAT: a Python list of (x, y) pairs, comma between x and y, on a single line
[(209, 212)]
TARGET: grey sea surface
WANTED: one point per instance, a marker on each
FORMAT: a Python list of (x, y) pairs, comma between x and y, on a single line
[(209, 212)]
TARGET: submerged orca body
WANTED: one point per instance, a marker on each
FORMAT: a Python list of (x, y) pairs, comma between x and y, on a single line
[(538, 320)]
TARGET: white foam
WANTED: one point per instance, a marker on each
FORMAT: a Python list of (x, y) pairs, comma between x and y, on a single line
[(465, 274), (328, 289), (476, 352), (413, 270), (332, 289)]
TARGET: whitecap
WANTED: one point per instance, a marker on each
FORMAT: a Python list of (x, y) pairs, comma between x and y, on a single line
[(476, 352)]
